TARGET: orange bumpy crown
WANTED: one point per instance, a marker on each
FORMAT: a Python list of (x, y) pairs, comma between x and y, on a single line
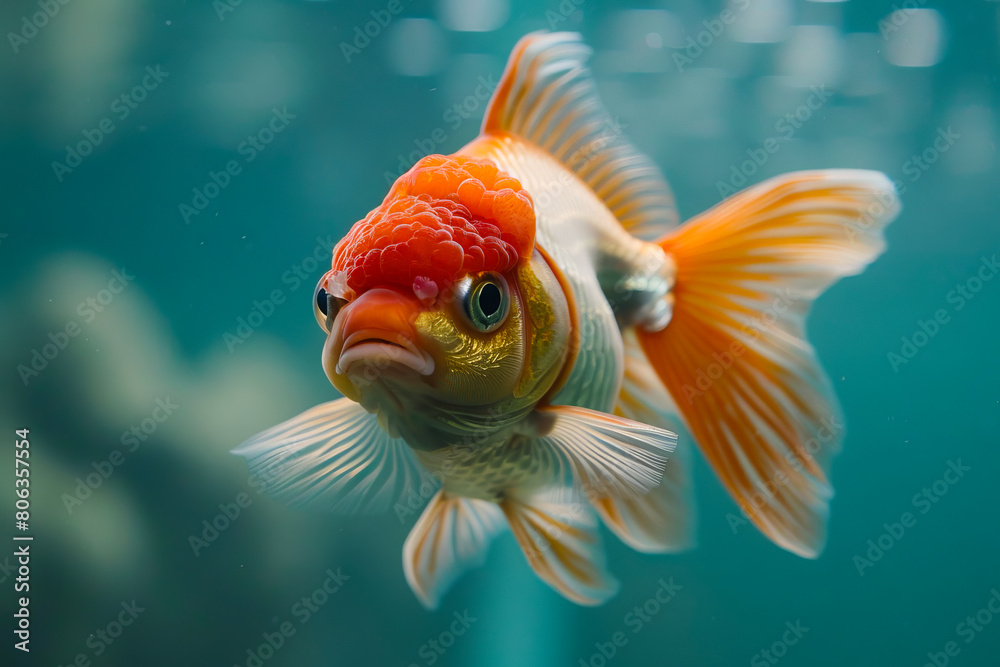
[(444, 218)]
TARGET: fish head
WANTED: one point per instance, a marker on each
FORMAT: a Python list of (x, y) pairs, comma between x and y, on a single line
[(435, 303)]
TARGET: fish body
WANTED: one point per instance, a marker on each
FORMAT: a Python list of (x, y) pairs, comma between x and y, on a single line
[(525, 321)]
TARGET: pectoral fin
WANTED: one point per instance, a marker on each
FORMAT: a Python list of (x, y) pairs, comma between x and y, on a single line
[(600, 452), (334, 455), (577, 453)]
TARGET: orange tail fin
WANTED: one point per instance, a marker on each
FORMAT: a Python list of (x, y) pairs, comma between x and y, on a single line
[(734, 356)]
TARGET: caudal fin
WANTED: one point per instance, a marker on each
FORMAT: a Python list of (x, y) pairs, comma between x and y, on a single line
[(734, 356)]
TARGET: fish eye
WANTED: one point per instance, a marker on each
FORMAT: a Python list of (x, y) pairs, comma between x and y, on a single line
[(326, 306), (487, 302)]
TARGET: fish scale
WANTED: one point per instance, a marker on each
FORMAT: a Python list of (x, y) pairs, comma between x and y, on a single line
[(488, 470)]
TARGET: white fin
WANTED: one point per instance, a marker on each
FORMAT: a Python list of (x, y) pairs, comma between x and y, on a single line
[(563, 547), (600, 452), (451, 536), (547, 96), (735, 356), (334, 455), (642, 397), (663, 520)]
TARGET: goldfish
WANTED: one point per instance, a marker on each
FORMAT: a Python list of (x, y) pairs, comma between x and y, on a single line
[(527, 324)]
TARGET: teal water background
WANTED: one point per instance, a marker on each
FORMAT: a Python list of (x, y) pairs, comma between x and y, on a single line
[(884, 88)]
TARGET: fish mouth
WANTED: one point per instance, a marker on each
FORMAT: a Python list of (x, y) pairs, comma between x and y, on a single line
[(381, 348)]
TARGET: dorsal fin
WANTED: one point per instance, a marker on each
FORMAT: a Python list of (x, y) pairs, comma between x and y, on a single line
[(547, 96)]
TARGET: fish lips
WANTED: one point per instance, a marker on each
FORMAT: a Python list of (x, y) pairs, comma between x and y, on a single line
[(381, 348), (374, 333)]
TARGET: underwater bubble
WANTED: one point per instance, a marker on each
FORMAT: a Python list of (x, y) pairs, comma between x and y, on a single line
[(814, 55), (636, 28), (467, 83), (774, 97), (762, 21), (473, 15), (914, 37), (639, 37)]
